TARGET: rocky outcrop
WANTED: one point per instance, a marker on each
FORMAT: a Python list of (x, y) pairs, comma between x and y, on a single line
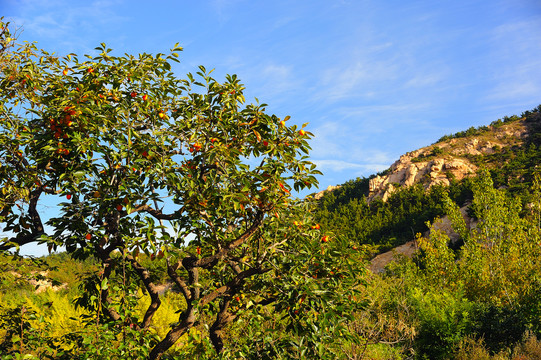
[(439, 163), (405, 172), (320, 194), (444, 224), (40, 281), (377, 264), (42, 285)]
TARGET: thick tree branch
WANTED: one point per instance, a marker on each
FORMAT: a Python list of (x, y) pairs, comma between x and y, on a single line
[(223, 318), (235, 266), (155, 301), (184, 289), (186, 321), (105, 299), (187, 318), (157, 213), (193, 279), (37, 225), (19, 241)]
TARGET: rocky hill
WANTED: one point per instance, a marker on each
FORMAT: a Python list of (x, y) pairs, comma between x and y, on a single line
[(453, 158)]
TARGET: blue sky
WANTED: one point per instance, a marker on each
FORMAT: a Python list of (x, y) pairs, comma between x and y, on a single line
[(374, 78)]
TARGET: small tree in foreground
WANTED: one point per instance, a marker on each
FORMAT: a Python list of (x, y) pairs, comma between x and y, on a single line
[(138, 161)]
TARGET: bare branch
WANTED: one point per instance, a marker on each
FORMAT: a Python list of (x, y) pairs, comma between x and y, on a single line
[(156, 213)]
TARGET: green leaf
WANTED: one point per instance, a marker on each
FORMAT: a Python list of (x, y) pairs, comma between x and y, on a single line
[(15, 338)]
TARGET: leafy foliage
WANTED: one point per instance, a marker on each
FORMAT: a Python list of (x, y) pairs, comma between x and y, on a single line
[(173, 202), (385, 224), (496, 271), (142, 165)]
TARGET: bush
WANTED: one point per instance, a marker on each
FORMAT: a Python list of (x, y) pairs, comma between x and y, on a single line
[(445, 318), (499, 327), (472, 349), (528, 349)]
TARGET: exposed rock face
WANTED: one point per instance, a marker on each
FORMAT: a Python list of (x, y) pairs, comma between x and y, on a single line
[(439, 163), (320, 194), (406, 173), (377, 264), (41, 283), (444, 224)]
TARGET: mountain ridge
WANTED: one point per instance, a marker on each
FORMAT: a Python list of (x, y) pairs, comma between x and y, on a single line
[(446, 160), (452, 157)]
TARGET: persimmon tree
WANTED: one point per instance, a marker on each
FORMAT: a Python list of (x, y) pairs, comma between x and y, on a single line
[(137, 161)]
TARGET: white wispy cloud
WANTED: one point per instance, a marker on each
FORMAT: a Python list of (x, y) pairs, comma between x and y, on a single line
[(224, 9), (339, 165), (369, 110), (283, 21), (424, 80), (279, 77), (517, 62), (371, 120), (328, 141), (56, 20), (355, 80), (514, 89), (338, 147), (270, 81)]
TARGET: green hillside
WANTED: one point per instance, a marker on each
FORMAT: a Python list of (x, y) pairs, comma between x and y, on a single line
[(380, 225)]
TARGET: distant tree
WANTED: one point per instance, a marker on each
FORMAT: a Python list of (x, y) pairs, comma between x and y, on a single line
[(383, 224), (437, 151), (179, 169), (499, 255)]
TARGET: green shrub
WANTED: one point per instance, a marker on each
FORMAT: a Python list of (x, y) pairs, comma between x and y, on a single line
[(499, 327), (472, 349), (445, 318)]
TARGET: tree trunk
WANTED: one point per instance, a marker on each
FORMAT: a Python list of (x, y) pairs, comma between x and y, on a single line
[(222, 319), (187, 321)]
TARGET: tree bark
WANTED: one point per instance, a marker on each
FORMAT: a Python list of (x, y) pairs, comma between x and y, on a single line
[(187, 321), (222, 319), (155, 301)]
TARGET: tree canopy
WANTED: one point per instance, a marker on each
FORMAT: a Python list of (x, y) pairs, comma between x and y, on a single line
[(139, 163)]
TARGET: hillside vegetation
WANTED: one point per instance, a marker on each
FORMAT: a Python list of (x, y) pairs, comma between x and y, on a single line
[(476, 298), (380, 218), (178, 246)]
